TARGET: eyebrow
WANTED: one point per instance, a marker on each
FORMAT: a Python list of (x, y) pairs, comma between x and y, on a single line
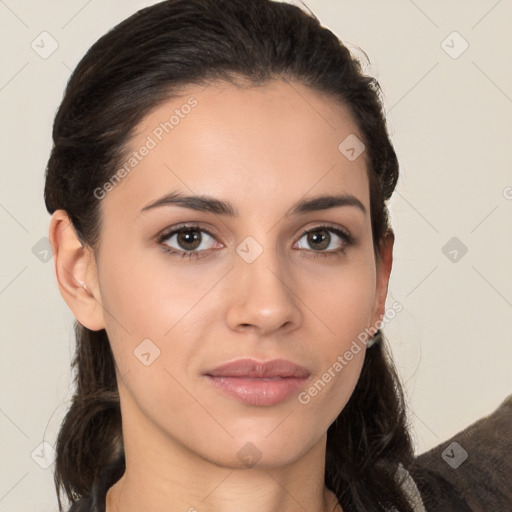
[(210, 204)]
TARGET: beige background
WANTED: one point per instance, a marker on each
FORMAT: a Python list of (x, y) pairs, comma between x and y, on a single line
[(450, 120)]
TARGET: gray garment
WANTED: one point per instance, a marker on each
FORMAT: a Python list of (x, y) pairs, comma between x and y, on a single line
[(472, 471), (410, 487)]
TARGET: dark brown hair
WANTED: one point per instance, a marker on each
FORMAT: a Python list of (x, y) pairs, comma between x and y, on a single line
[(130, 71)]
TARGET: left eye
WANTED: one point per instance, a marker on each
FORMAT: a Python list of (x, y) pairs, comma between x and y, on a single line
[(320, 239)]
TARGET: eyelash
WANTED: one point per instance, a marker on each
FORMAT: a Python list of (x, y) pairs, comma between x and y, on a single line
[(344, 235)]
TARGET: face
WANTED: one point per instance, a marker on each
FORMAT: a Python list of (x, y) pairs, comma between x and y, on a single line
[(259, 278)]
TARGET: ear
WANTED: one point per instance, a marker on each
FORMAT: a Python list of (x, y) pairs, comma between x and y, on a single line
[(383, 264), (77, 276)]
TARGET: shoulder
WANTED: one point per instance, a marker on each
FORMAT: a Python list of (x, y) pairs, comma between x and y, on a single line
[(471, 471)]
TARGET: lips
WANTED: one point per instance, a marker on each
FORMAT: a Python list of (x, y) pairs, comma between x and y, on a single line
[(254, 369), (258, 383)]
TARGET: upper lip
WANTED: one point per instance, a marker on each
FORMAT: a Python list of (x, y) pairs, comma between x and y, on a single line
[(259, 369)]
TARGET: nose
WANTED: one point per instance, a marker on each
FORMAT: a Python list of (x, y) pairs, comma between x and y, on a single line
[(262, 298)]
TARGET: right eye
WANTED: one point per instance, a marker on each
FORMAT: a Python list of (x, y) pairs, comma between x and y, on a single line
[(188, 241)]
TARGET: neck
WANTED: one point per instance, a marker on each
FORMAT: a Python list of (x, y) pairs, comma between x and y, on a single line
[(256, 490)]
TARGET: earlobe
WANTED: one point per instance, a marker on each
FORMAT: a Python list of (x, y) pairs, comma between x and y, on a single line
[(384, 265), (76, 272)]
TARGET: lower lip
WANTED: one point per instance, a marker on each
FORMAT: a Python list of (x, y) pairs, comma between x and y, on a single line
[(258, 391)]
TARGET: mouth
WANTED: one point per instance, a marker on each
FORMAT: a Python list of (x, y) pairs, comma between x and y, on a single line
[(258, 383)]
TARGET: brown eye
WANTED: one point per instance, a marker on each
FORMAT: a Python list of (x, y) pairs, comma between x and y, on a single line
[(319, 239), (326, 239), (187, 240)]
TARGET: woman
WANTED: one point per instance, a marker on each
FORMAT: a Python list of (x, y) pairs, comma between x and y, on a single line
[(218, 189)]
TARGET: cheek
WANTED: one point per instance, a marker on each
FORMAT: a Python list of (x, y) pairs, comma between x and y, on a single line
[(343, 299), (148, 306), (146, 293), (149, 297), (345, 311)]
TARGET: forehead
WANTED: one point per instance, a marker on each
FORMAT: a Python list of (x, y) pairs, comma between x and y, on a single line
[(256, 144)]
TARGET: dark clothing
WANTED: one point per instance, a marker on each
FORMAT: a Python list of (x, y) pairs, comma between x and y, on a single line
[(473, 475), (483, 482)]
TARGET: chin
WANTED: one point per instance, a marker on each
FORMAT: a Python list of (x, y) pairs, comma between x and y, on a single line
[(258, 452)]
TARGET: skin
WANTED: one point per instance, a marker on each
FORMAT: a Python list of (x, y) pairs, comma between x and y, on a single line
[(262, 149)]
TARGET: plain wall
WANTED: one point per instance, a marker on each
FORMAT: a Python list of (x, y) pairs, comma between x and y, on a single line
[(450, 122)]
